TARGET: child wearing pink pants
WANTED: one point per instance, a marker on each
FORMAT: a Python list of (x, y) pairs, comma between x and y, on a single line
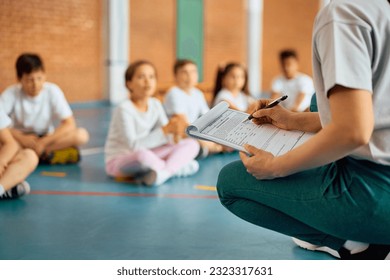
[(142, 144)]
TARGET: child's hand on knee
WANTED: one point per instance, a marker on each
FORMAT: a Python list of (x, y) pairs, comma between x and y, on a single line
[(28, 141), (39, 148)]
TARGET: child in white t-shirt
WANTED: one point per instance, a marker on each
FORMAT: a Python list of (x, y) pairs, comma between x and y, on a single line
[(15, 164), (297, 86), (184, 98), (33, 106), (231, 86), (138, 146), (187, 100)]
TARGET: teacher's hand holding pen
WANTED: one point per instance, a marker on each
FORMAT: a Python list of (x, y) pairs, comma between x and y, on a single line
[(261, 164), (268, 112)]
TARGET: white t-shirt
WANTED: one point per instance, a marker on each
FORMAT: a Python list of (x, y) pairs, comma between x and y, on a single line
[(35, 114), (192, 104), (241, 101), (131, 130), (5, 121), (351, 48), (302, 83)]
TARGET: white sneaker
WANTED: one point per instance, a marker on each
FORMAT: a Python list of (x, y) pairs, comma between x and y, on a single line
[(189, 169), (312, 247), (162, 177), (19, 190)]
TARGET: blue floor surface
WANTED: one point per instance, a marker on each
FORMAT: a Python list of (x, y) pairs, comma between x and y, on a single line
[(86, 215)]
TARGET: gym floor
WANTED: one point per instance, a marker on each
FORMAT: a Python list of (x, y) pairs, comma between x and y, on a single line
[(76, 212)]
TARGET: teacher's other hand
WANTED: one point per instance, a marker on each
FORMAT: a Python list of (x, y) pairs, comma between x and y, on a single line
[(260, 164)]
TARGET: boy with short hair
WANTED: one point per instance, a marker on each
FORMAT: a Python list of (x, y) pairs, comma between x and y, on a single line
[(184, 98), (298, 86), (15, 164), (33, 105), (187, 100)]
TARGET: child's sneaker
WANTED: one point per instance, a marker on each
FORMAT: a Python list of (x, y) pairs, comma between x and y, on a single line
[(191, 168), (203, 152), (19, 190), (63, 156)]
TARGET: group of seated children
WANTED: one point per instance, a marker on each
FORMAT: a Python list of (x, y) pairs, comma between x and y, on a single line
[(146, 142)]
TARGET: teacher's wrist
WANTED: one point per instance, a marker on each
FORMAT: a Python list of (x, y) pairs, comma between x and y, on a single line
[(304, 121), (279, 167)]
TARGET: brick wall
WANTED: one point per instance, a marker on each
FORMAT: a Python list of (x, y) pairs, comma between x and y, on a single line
[(287, 24), (68, 36), (225, 36), (153, 35)]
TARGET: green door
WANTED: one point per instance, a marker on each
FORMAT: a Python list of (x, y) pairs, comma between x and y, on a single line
[(189, 37)]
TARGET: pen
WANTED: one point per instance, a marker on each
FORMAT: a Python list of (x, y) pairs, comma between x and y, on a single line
[(271, 104)]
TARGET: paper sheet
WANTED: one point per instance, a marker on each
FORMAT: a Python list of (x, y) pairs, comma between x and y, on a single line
[(228, 128)]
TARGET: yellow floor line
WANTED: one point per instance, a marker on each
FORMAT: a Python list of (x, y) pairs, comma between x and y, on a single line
[(124, 179), (205, 188), (53, 174)]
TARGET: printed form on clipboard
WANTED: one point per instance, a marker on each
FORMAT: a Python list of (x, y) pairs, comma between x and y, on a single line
[(227, 127)]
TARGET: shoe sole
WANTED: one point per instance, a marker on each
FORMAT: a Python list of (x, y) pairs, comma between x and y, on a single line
[(27, 187), (311, 247)]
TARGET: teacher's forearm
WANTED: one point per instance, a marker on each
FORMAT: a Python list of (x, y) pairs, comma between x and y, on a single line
[(329, 145), (305, 121)]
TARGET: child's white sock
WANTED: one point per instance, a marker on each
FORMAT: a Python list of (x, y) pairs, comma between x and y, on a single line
[(2, 190), (355, 247), (162, 177)]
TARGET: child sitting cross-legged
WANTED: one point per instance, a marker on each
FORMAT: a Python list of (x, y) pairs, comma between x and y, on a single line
[(15, 164), (142, 145), (187, 100), (33, 106)]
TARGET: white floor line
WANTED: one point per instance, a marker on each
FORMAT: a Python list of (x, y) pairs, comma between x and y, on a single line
[(92, 151)]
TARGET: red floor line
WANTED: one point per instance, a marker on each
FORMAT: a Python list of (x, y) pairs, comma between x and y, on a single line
[(124, 194)]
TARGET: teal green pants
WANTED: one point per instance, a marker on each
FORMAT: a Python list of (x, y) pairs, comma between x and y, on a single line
[(345, 200)]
